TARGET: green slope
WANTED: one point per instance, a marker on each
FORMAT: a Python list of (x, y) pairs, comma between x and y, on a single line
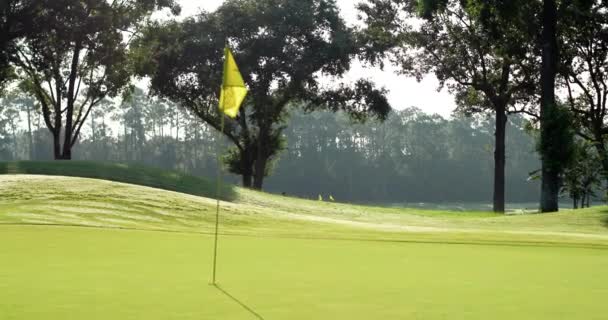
[(60, 200), (120, 172), (280, 258)]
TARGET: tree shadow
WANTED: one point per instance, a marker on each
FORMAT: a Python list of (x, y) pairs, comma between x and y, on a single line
[(239, 302), (605, 218)]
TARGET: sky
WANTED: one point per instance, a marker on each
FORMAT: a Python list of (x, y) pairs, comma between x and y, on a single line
[(403, 92)]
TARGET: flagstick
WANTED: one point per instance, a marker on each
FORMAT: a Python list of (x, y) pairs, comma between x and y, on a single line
[(219, 194)]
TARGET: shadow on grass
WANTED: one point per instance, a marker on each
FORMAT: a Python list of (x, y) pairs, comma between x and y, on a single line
[(123, 172), (605, 217), (239, 302)]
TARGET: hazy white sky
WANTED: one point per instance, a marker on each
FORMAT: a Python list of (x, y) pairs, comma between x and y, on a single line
[(403, 91)]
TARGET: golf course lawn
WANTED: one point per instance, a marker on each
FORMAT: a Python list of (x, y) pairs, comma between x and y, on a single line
[(82, 248), (51, 272)]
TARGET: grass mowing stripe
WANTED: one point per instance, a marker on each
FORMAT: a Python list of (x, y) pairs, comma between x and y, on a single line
[(523, 243)]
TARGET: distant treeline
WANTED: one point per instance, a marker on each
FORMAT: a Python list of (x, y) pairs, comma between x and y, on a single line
[(411, 157)]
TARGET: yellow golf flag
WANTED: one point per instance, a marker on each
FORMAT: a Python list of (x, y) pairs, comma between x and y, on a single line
[(233, 87)]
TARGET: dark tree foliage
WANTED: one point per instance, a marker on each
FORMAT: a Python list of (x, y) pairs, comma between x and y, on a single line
[(582, 177), (17, 20), (78, 57), (557, 151), (283, 48), (483, 51)]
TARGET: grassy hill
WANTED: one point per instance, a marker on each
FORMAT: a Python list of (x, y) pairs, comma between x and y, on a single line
[(120, 172), (74, 247), (44, 195)]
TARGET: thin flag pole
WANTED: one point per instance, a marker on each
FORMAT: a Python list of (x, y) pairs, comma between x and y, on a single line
[(219, 195), (219, 170), (231, 97)]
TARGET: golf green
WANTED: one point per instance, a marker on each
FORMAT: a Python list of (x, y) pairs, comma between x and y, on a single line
[(52, 272)]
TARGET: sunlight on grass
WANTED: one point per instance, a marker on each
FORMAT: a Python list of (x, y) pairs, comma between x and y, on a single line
[(280, 257), (84, 273)]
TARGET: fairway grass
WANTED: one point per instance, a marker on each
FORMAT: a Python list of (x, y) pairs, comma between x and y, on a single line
[(81, 248), (84, 273)]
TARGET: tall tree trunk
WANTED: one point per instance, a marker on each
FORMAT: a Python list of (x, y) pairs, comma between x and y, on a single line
[(30, 138), (195, 148), (71, 100), (258, 175), (575, 202), (93, 129), (125, 144), (260, 159), (499, 159), (259, 170), (104, 144), (247, 168), (177, 127), (247, 180), (67, 152), (550, 55), (14, 136), (549, 191), (57, 146)]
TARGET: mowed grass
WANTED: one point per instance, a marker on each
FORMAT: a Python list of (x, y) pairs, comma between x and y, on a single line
[(120, 172), (85, 273), (79, 248)]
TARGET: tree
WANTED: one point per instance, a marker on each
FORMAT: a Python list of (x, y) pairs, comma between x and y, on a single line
[(17, 19), (79, 57), (483, 51), (584, 72), (283, 48), (101, 132), (581, 177), (18, 102), (552, 13), (10, 118), (559, 150), (550, 170), (409, 158), (132, 119)]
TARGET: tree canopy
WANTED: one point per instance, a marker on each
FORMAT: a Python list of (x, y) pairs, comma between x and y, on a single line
[(17, 20), (77, 57), (583, 72), (283, 49), (484, 56)]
